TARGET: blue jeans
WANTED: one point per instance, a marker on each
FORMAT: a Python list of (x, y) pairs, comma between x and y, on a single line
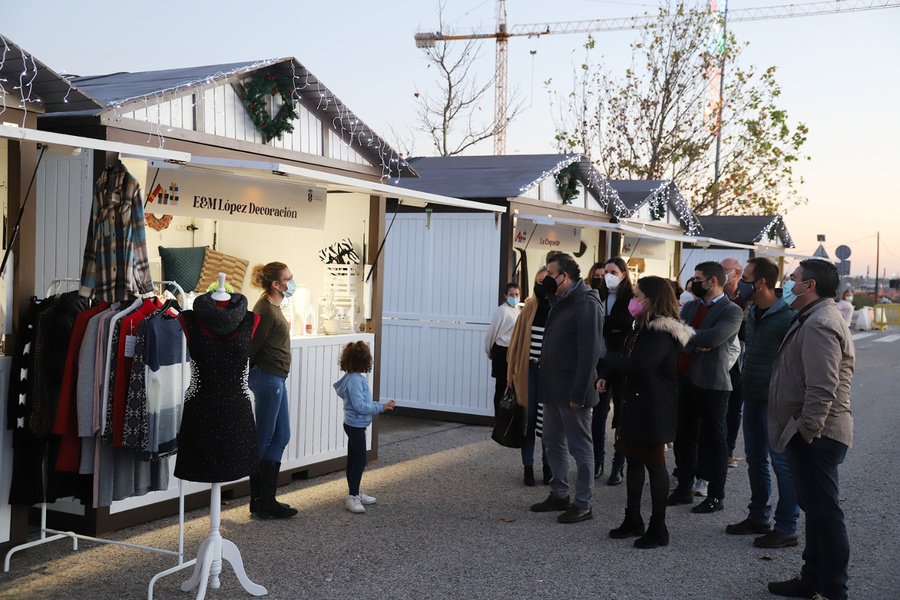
[(534, 370), (273, 425), (758, 451), (827, 553)]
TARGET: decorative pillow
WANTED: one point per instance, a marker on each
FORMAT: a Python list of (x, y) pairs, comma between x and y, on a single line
[(217, 262), (182, 265), (339, 253)]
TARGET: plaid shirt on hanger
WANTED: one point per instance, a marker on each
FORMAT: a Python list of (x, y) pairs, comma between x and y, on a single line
[(116, 267)]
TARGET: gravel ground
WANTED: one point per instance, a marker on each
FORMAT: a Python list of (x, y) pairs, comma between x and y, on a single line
[(452, 521)]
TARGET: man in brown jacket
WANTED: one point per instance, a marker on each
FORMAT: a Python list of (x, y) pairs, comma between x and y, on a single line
[(810, 420)]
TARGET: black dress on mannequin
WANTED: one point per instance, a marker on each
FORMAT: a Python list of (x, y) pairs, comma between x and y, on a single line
[(217, 439)]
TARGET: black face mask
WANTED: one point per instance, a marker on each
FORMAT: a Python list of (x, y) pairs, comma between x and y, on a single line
[(595, 282), (539, 292), (550, 285), (698, 290)]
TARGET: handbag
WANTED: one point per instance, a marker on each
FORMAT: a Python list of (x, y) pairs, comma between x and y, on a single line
[(509, 424)]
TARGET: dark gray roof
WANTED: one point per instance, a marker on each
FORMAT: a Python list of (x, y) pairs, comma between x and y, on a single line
[(38, 82), (116, 88), (634, 193), (481, 177), (746, 229)]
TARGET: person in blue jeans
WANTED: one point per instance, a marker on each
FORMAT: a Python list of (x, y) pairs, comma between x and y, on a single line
[(811, 419), (353, 389), (270, 363), (767, 323)]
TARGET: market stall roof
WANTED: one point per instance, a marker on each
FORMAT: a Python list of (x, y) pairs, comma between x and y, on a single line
[(34, 86), (635, 193), (282, 173), (747, 229), (501, 177), (125, 91)]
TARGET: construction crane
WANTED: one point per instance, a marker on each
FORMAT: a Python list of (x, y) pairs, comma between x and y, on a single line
[(504, 32)]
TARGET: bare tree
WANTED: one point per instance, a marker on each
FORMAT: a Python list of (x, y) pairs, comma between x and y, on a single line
[(650, 123), (454, 116)]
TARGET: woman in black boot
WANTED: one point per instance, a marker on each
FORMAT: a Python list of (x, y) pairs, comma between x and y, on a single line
[(523, 370), (270, 362), (647, 367)]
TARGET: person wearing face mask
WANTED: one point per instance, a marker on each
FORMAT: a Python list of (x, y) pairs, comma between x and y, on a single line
[(616, 291), (733, 268), (648, 369), (270, 363), (767, 323), (704, 386), (845, 306), (571, 346), (496, 340), (810, 419), (523, 374), (595, 275)]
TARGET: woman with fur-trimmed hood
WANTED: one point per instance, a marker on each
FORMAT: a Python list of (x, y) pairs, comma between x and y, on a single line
[(648, 362)]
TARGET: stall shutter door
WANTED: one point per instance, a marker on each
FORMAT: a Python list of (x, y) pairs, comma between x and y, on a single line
[(63, 208), (440, 289)]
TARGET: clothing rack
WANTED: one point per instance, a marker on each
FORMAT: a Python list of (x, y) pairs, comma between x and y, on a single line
[(58, 535)]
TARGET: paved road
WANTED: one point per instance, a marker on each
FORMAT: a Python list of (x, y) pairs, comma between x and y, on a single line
[(453, 522)]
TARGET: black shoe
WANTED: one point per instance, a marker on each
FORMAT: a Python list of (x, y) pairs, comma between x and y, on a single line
[(552, 504), (776, 539), (616, 475), (575, 515), (679, 497), (633, 525), (747, 527), (269, 507), (548, 475), (795, 587), (657, 534), (709, 505), (529, 476), (598, 469)]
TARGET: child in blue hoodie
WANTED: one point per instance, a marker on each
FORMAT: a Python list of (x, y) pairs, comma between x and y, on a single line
[(353, 388)]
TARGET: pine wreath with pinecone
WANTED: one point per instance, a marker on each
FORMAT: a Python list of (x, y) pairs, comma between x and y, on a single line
[(264, 84)]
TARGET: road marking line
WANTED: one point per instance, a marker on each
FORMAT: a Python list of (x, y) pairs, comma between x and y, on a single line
[(889, 338), (859, 336)]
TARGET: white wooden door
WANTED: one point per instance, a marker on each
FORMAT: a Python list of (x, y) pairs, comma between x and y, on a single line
[(63, 209), (440, 288)]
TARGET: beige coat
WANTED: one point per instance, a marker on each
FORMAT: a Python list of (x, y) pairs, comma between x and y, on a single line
[(809, 392), (519, 350)]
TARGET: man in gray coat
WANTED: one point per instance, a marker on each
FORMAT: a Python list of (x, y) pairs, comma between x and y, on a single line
[(810, 419), (704, 385), (571, 347)]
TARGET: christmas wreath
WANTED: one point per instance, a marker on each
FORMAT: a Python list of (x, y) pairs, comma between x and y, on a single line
[(567, 183), (263, 84)]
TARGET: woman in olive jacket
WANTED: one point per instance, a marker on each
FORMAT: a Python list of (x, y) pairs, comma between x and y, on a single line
[(648, 364)]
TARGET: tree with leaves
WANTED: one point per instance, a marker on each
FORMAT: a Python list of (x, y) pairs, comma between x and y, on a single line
[(650, 123), (454, 116)]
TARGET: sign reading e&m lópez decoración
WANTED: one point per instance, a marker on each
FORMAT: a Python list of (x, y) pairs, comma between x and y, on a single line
[(201, 195)]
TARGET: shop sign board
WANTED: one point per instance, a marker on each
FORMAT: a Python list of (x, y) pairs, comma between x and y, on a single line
[(204, 195), (534, 236), (644, 247)]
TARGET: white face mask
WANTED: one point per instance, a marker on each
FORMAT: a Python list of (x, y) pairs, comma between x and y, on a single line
[(612, 281), (849, 299)]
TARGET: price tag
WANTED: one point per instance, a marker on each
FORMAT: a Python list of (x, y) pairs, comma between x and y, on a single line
[(130, 341)]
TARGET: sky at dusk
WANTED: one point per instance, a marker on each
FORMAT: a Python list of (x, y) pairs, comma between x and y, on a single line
[(837, 74)]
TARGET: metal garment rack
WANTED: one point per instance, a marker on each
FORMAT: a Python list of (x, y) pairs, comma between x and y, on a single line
[(58, 535)]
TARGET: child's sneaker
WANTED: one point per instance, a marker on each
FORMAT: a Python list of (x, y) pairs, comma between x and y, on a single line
[(366, 499), (354, 505)]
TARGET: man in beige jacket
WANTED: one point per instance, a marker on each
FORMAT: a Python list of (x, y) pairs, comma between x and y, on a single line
[(810, 420)]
